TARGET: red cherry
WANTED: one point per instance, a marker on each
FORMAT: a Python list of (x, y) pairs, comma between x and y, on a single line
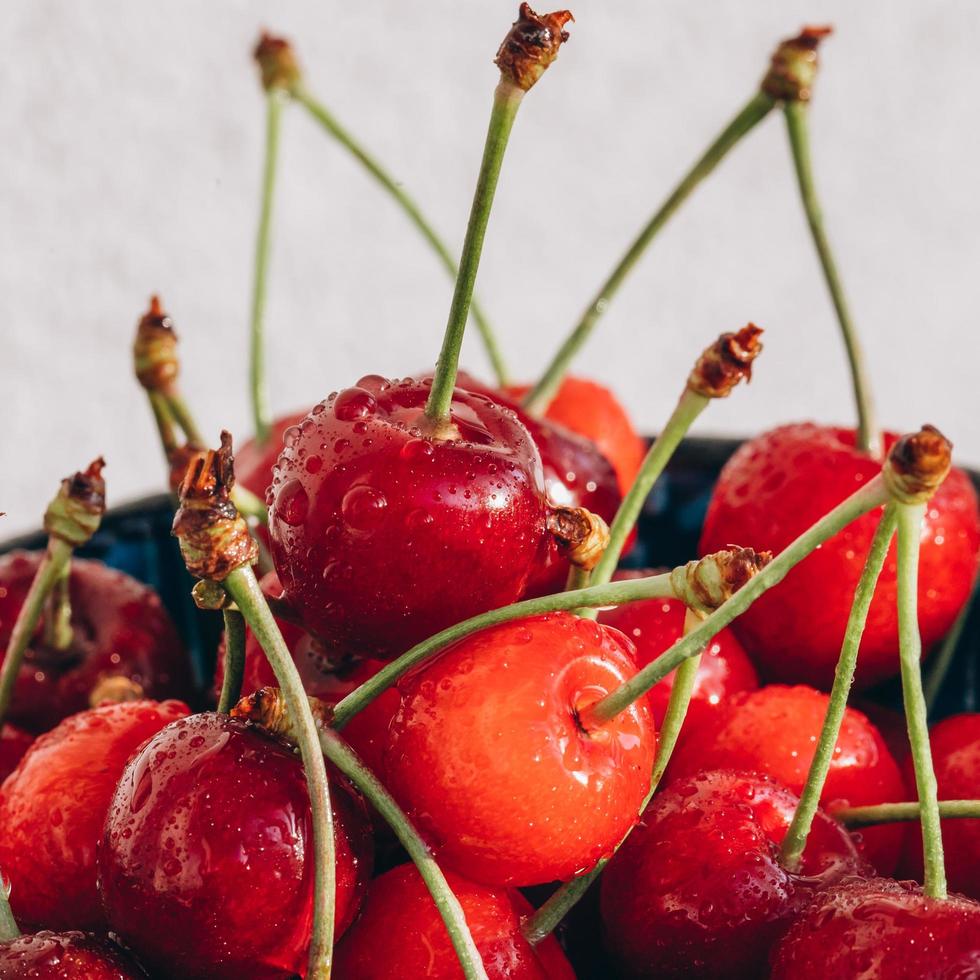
[(382, 535), (53, 806), (697, 890), (774, 730), (881, 928), (13, 744), (205, 867), (254, 463), (956, 757), (120, 628), (488, 754), (401, 934), (65, 956), (776, 486)]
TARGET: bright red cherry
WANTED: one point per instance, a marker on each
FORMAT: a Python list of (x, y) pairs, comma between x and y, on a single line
[(254, 463), (53, 806), (383, 535), (205, 865), (881, 928), (13, 744), (956, 757), (119, 628), (772, 490), (65, 956), (774, 730), (401, 934), (697, 890), (488, 754)]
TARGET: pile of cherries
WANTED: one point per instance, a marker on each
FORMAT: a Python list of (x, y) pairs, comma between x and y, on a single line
[(141, 836)]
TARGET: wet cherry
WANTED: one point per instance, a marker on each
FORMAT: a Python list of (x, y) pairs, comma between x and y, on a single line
[(13, 744), (65, 956)]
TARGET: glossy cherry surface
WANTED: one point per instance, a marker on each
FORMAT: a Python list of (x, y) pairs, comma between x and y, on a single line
[(13, 744), (488, 755), (53, 806), (254, 463), (697, 890), (382, 535), (401, 934), (774, 730), (881, 928), (773, 489), (65, 956), (119, 628), (205, 865)]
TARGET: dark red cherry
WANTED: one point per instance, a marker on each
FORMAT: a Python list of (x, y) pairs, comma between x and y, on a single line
[(254, 463), (956, 757), (774, 730), (13, 744), (773, 489), (53, 806), (65, 956), (488, 754), (383, 535), (119, 628), (401, 934), (881, 928), (205, 865), (698, 891)]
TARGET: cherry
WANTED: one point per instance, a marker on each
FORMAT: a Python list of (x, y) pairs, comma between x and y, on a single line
[(383, 534), (697, 889), (881, 928), (13, 744), (774, 730), (65, 956), (53, 806), (956, 756), (771, 490), (208, 833), (488, 755), (254, 463), (119, 628)]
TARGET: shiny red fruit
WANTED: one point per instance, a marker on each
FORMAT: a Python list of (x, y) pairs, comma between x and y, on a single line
[(65, 956), (774, 730), (206, 867), (120, 628), (881, 928), (13, 744), (488, 754), (401, 934), (53, 806), (956, 757), (383, 535), (773, 489), (254, 463), (697, 890)]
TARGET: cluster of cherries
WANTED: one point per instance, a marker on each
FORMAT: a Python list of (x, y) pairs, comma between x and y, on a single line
[(140, 837)]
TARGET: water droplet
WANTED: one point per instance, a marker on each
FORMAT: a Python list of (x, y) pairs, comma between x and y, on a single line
[(341, 446), (314, 464), (292, 504), (364, 508), (417, 450), (418, 518), (290, 436), (354, 403)]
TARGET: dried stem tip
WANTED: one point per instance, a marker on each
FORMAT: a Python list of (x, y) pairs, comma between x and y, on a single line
[(531, 45), (277, 63), (155, 349), (917, 465), (267, 707), (726, 362), (178, 460), (704, 585), (582, 535), (76, 511), (794, 66), (214, 538)]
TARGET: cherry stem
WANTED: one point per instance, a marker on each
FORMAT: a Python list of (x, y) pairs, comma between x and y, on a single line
[(868, 436), (330, 124), (794, 843), (58, 633), (243, 587), (910, 656), (183, 417), (234, 660), (942, 660), (8, 924), (537, 400), (868, 816), (506, 101), (164, 420)]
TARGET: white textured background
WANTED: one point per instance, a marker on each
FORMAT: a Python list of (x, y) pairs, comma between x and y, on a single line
[(131, 135)]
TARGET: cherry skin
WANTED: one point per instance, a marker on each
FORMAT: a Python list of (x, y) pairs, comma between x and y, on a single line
[(13, 744), (119, 628), (53, 806), (956, 756), (881, 928), (401, 934), (776, 486), (65, 956), (206, 865), (488, 755), (383, 535), (774, 730), (697, 890), (254, 463)]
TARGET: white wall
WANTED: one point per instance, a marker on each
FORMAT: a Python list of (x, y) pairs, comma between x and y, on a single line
[(131, 135)]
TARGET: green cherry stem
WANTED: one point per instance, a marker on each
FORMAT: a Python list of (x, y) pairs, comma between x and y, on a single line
[(8, 924), (234, 660), (941, 661), (794, 842), (869, 816)]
